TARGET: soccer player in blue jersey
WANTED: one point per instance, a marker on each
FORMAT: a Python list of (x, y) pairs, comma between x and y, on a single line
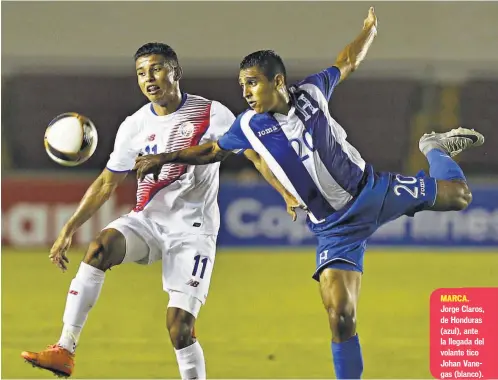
[(303, 152)]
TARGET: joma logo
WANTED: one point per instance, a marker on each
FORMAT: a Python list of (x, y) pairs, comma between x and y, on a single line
[(267, 131)]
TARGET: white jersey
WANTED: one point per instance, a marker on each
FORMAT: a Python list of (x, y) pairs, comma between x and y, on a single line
[(184, 199)]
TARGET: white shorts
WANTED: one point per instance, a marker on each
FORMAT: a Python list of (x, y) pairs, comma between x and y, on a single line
[(187, 259)]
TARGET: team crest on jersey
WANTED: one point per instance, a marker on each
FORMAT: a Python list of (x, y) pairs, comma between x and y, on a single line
[(187, 129)]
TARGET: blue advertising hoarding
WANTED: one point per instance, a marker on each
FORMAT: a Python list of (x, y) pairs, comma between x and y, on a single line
[(255, 215)]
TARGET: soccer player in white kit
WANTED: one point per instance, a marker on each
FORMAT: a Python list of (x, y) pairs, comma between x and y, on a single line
[(175, 219)]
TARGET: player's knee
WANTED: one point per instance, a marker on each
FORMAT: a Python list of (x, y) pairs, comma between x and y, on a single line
[(462, 197), (106, 250), (342, 322), (180, 324), (181, 333), (339, 290)]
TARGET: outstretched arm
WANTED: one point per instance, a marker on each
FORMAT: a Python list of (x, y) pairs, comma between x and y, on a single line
[(96, 195), (260, 164), (351, 56), (204, 154)]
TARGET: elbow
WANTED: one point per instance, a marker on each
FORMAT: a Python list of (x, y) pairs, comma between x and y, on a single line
[(346, 63), (256, 161), (345, 67), (352, 61), (217, 155)]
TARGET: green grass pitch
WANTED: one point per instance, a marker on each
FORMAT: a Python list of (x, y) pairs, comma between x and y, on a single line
[(263, 317)]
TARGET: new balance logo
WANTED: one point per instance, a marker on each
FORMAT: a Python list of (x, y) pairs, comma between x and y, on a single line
[(193, 283), (74, 292)]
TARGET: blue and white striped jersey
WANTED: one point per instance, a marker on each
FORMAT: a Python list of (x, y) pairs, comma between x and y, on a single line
[(307, 149)]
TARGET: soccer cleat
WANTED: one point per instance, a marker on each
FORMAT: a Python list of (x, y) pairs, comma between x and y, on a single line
[(55, 358), (452, 142)]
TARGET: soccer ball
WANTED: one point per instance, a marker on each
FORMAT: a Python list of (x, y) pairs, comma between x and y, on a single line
[(71, 139)]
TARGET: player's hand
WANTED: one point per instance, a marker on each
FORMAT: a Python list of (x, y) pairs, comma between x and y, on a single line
[(292, 205), (148, 164), (371, 20), (59, 249)]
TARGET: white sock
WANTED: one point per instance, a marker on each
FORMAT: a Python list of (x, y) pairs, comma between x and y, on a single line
[(83, 294), (191, 362)]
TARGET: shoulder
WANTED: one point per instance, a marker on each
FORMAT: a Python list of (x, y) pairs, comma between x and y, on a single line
[(216, 106), (211, 111), (197, 97), (195, 107), (141, 112), (249, 119), (319, 84), (132, 124), (331, 74), (197, 100), (219, 110), (138, 116)]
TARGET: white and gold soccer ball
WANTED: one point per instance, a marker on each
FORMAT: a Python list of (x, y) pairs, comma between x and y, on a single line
[(71, 139)]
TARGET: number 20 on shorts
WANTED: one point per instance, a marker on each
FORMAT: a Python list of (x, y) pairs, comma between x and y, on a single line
[(404, 184)]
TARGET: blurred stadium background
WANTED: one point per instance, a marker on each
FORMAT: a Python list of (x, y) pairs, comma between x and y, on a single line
[(433, 67)]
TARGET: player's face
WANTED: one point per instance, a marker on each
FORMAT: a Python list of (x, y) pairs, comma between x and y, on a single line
[(261, 94), (156, 78)]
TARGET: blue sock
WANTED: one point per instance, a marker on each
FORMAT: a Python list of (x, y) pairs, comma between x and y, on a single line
[(442, 166), (348, 362)]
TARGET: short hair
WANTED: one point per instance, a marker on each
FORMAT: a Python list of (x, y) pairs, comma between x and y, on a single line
[(158, 48), (268, 61)]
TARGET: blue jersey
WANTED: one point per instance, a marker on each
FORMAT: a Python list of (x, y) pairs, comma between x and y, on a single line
[(307, 149), (308, 153)]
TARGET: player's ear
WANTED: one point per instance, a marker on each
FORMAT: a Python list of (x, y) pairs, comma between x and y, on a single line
[(279, 81), (178, 73), (280, 84)]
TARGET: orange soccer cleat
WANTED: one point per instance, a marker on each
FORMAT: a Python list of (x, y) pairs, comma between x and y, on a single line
[(55, 358)]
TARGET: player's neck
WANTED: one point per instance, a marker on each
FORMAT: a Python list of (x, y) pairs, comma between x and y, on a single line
[(284, 105), (283, 108), (171, 105)]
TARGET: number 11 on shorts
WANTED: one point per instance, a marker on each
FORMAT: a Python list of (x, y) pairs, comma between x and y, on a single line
[(197, 260)]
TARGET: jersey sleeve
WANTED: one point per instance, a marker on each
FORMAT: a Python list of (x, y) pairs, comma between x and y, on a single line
[(221, 119), (235, 138), (325, 80), (123, 156)]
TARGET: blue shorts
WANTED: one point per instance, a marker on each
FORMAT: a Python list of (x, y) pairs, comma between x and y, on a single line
[(342, 238)]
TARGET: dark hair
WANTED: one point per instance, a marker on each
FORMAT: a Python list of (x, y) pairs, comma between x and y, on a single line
[(268, 61), (158, 48)]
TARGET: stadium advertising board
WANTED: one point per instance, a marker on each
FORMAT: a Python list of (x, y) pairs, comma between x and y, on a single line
[(251, 215)]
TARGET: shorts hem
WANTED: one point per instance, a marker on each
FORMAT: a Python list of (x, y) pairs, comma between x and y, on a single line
[(316, 274), (121, 228), (182, 290), (182, 300)]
